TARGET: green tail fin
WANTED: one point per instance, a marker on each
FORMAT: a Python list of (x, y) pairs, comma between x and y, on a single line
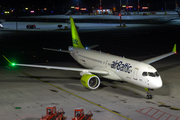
[(75, 37), (174, 48)]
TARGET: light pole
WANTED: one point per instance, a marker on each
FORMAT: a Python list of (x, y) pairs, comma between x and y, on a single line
[(148, 6), (120, 13), (176, 5), (16, 18), (138, 6), (165, 6), (127, 7), (77, 6), (100, 6)]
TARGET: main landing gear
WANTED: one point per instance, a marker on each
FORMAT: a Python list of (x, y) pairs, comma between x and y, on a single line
[(149, 96)]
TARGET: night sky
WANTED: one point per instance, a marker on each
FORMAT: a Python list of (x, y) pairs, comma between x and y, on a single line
[(153, 4)]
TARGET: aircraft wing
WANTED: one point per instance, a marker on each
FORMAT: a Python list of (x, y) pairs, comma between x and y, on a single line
[(65, 68), (154, 59)]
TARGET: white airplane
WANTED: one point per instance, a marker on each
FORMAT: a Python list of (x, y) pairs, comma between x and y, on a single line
[(109, 66)]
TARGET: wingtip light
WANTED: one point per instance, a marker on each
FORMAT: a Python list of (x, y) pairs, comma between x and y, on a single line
[(13, 64)]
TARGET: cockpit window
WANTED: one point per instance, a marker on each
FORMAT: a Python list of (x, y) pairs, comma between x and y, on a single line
[(157, 74), (144, 74), (151, 74)]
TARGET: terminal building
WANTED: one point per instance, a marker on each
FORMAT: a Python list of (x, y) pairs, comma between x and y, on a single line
[(102, 11)]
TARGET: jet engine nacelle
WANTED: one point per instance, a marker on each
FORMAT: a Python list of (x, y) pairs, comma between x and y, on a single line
[(90, 81)]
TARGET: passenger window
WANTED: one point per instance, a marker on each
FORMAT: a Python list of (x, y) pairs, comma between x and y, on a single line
[(144, 74)]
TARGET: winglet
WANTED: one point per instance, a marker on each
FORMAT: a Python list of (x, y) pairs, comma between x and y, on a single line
[(13, 64), (174, 48)]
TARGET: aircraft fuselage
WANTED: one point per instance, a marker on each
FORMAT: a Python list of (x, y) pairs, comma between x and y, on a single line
[(119, 68)]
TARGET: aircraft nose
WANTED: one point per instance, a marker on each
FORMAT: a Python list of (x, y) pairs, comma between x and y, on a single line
[(158, 83)]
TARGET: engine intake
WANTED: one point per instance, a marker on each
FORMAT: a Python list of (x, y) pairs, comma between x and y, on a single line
[(90, 81)]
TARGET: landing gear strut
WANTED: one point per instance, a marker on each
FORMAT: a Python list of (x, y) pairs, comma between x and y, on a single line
[(149, 96)]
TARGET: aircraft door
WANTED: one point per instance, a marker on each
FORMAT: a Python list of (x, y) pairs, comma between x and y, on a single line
[(135, 73)]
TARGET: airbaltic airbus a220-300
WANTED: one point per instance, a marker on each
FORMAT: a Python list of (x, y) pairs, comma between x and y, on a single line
[(109, 66)]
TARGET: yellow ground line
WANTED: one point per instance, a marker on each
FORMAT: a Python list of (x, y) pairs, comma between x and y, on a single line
[(175, 108), (170, 106), (161, 103), (79, 97)]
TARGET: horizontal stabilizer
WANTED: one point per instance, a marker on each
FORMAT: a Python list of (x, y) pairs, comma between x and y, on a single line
[(93, 46), (58, 50)]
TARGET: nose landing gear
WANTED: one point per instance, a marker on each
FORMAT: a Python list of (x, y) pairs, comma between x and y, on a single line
[(149, 96)]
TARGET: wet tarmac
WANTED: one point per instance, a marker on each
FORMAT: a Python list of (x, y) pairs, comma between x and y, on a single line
[(28, 88)]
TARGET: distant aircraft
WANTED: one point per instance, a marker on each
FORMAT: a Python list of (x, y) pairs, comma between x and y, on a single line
[(109, 66)]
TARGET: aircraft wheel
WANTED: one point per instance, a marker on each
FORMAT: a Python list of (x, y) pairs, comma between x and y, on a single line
[(149, 96)]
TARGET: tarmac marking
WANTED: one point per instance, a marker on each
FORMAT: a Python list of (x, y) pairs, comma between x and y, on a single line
[(170, 107), (173, 108), (28, 116), (161, 103), (78, 96), (114, 86), (125, 89), (157, 114), (135, 93)]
